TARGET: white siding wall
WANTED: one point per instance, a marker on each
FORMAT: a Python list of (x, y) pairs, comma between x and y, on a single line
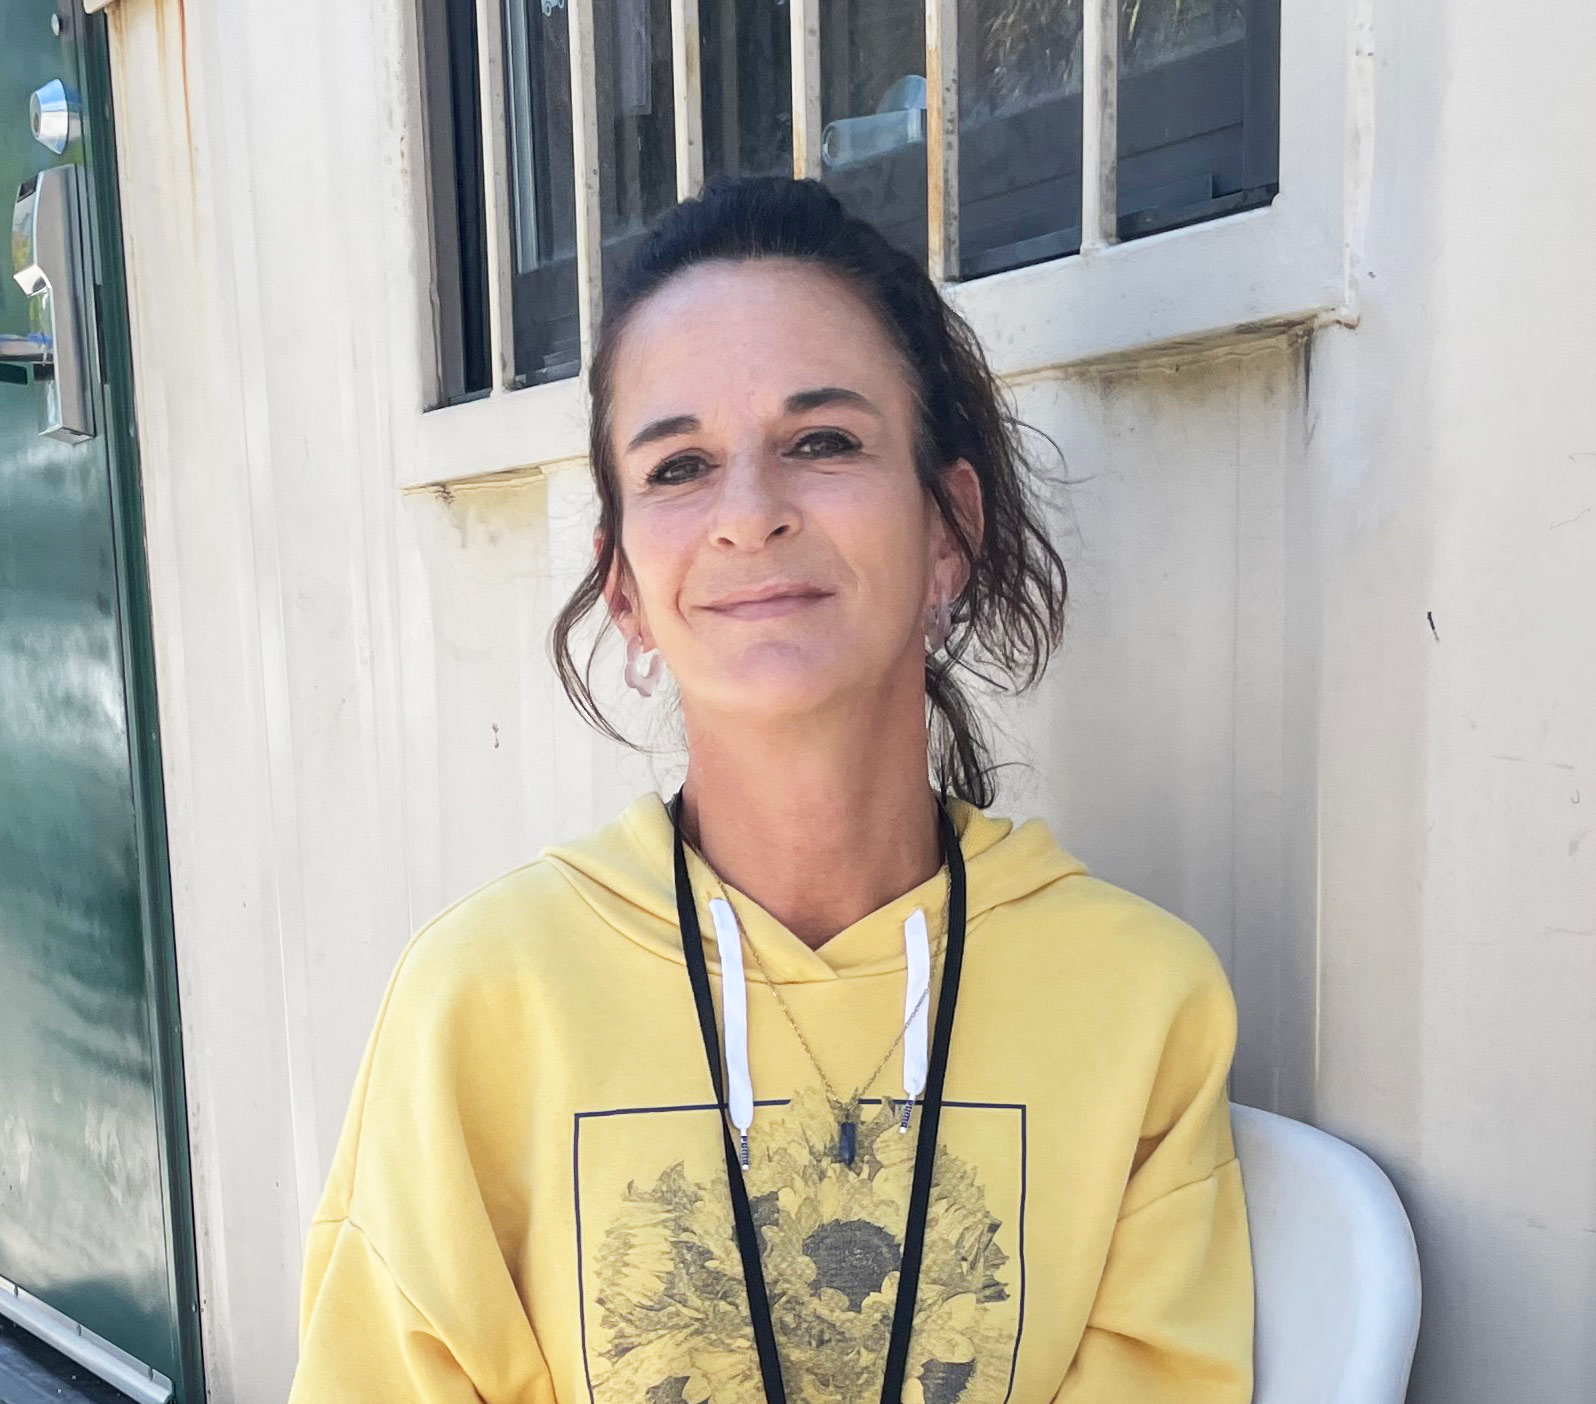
[(1452, 470), (1386, 831)]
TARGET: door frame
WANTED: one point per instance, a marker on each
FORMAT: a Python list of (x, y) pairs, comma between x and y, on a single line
[(135, 629)]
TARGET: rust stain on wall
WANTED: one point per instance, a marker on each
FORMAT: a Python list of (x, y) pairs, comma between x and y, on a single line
[(162, 47), (182, 44)]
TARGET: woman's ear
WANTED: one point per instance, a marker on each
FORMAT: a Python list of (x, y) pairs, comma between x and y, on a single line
[(618, 596), (963, 485)]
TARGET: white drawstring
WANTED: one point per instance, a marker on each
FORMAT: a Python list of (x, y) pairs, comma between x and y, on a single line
[(734, 1016), (734, 1007), (916, 1002)]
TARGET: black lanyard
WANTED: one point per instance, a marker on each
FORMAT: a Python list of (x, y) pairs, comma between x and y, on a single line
[(925, 1146)]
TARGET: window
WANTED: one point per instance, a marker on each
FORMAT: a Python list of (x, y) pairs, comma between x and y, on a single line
[(1079, 123)]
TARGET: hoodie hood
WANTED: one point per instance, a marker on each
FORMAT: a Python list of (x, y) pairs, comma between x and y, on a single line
[(624, 871)]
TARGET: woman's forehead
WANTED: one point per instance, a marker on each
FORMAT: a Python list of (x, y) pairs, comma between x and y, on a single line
[(761, 327)]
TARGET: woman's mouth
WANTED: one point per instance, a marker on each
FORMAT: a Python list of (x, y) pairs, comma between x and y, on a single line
[(771, 607)]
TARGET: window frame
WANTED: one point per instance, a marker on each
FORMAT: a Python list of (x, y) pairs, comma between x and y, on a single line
[(1253, 271)]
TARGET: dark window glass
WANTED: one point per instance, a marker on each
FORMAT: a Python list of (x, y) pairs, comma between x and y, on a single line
[(746, 84), (1198, 110), (459, 230), (543, 295), (636, 121), (1019, 132), (872, 110)]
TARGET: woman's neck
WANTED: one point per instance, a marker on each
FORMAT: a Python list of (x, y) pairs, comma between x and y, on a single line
[(820, 827)]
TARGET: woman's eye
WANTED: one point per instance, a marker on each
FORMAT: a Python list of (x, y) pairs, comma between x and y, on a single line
[(824, 443), (665, 471)]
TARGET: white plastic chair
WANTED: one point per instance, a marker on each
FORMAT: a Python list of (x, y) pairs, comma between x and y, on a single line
[(1335, 1267)]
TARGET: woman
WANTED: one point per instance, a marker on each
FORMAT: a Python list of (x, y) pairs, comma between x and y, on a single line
[(815, 1083)]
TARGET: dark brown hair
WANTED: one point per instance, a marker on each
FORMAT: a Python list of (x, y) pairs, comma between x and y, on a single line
[(1010, 614)]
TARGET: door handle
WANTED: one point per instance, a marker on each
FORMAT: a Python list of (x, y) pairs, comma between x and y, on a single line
[(47, 247)]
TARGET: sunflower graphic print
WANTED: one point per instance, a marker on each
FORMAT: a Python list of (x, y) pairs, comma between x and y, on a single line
[(665, 1309)]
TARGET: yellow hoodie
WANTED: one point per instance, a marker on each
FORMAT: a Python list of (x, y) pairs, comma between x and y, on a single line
[(529, 1203)]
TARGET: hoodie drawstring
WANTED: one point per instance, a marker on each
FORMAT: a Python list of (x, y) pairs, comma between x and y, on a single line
[(734, 1017), (734, 1014), (916, 1011)]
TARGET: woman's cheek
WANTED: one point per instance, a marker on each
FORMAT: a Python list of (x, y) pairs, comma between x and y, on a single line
[(659, 552)]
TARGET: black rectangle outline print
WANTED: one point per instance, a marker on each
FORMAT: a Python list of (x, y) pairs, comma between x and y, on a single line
[(576, 1195)]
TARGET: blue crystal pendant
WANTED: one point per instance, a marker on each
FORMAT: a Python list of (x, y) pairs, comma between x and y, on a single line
[(847, 1141)]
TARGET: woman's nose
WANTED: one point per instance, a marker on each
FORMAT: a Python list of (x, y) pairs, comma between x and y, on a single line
[(754, 502)]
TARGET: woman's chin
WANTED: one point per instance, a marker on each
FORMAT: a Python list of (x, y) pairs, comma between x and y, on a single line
[(772, 689)]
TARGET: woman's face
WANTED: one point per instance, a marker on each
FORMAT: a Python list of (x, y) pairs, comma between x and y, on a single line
[(762, 429)]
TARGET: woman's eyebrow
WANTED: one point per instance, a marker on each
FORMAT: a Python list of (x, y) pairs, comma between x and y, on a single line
[(663, 429), (830, 395), (795, 403)]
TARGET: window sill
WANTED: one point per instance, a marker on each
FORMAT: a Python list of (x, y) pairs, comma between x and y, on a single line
[(509, 431), (1189, 287)]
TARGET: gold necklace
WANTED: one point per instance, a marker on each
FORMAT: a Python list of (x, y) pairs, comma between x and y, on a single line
[(848, 1111)]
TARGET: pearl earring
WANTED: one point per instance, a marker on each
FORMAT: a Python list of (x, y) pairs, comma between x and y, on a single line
[(938, 624), (642, 669)]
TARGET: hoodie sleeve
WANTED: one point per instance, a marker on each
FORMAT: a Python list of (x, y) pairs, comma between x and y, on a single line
[(362, 1340), (407, 1296), (1172, 1321)]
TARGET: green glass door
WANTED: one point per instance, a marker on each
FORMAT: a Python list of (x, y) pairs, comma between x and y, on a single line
[(95, 1210)]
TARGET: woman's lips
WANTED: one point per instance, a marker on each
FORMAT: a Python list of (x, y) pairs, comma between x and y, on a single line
[(768, 609)]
